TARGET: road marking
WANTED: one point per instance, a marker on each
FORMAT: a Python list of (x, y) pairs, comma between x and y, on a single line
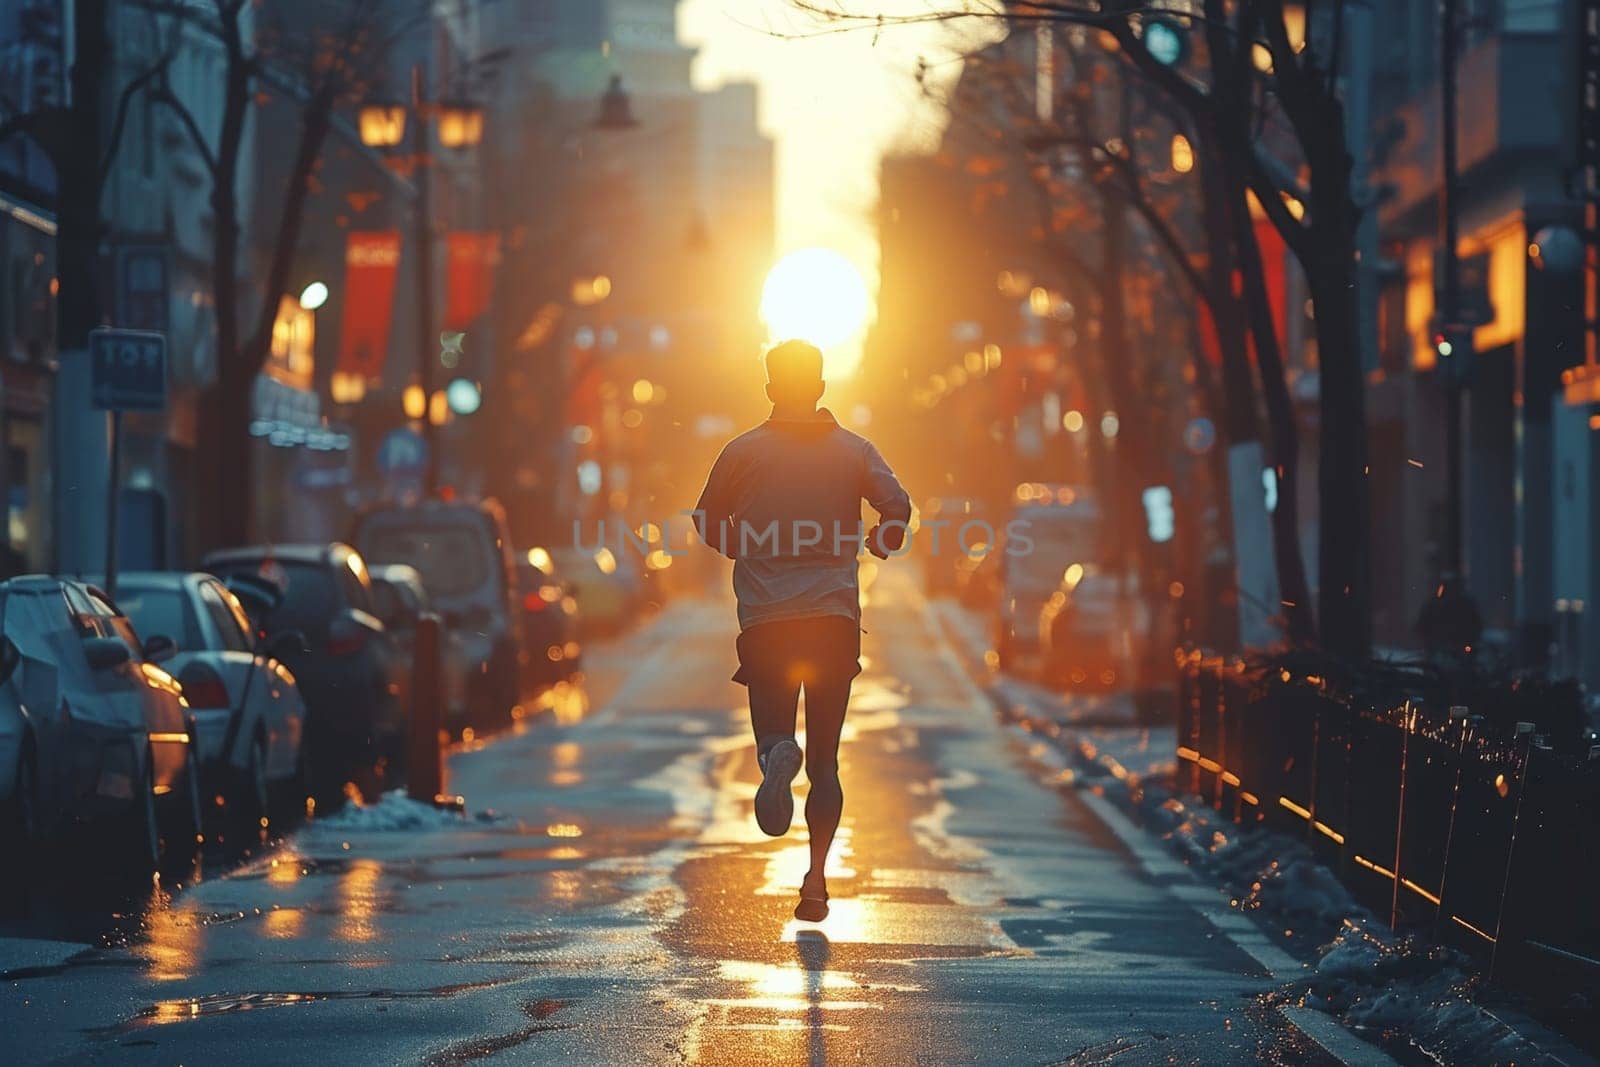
[(1334, 1039)]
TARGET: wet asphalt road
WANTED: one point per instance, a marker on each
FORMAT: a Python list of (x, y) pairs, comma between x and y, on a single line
[(623, 908)]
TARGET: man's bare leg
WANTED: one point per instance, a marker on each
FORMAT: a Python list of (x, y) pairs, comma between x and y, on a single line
[(825, 709), (772, 717)]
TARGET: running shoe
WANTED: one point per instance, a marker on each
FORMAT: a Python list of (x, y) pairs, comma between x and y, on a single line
[(774, 801)]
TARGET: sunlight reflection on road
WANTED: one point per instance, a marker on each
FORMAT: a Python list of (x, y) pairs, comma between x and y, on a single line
[(358, 902), (172, 940), (564, 759)]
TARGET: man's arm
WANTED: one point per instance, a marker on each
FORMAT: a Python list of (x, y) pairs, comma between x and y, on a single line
[(890, 500), (714, 512)]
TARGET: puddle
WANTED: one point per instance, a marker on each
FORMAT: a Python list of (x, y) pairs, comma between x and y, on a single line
[(163, 1012)]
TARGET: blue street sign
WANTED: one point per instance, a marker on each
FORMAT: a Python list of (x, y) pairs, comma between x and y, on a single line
[(403, 453), (127, 370)]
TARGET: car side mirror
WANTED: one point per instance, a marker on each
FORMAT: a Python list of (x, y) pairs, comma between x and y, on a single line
[(283, 642), (104, 653), (10, 659), (159, 648)]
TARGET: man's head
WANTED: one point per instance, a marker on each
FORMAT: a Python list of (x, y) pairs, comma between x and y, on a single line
[(794, 374)]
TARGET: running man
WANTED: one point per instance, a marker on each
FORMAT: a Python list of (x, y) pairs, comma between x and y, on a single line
[(784, 503)]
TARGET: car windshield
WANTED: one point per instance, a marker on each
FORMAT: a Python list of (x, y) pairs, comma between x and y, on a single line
[(309, 598), (454, 559), (164, 612), (1056, 546)]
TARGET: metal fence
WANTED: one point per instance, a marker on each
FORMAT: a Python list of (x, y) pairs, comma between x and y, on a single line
[(1487, 839)]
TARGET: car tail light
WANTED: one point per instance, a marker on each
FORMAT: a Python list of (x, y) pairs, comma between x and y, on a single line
[(346, 638), (202, 687), (533, 602)]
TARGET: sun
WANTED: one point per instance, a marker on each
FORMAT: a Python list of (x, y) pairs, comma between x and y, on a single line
[(816, 295)]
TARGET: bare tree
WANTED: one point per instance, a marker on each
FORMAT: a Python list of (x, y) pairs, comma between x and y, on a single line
[(316, 59), (1235, 100)]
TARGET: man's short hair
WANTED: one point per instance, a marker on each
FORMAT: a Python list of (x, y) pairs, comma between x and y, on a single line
[(794, 363)]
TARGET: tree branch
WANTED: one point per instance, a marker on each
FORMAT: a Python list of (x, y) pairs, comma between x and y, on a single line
[(1270, 195), (163, 95), (124, 100)]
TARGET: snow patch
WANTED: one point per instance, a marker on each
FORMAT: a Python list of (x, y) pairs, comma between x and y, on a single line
[(392, 811)]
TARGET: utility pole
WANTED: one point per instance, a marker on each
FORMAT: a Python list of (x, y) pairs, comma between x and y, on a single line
[(1450, 281), (426, 341), (1449, 621)]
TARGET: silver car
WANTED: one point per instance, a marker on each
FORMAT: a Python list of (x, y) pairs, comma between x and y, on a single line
[(90, 729), (249, 716)]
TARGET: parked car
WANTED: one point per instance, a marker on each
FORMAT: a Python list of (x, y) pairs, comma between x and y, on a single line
[(978, 577), (248, 712), (401, 600), (939, 543), (463, 552), (549, 620), (1087, 630), (91, 729), (609, 592), (348, 669), (1050, 529)]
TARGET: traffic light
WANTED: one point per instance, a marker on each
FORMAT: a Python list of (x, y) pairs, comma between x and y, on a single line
[(1160, 520), (1166, 41)]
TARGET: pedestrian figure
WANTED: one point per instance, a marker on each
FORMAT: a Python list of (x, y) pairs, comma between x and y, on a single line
[(783, 501)]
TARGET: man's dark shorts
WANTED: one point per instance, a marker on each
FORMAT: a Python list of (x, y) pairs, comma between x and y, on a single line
[(789, 652)]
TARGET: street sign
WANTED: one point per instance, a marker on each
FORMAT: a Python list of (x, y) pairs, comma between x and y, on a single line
[(128, 370), (143, 293), (403, 454)]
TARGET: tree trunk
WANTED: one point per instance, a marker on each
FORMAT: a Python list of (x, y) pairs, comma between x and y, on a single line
[(1127, 465), (78, 174), (1293, 588), (1345, 566), (224, 476), (249, 356)]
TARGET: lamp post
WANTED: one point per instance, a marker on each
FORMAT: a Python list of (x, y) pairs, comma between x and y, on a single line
[(460, 126), (1450, 621), (457, 124)]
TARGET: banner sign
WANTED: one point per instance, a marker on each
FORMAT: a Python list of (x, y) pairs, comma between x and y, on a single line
[(473, 257), (371, 262)]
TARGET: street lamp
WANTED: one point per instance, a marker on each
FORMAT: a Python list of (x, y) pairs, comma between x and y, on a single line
[(414, 401), (460, 124), (314, 296), (382, 125), (1182, 154)]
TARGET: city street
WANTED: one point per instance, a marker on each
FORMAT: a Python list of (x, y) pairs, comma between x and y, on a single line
[(614, 902), (413, 414)]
